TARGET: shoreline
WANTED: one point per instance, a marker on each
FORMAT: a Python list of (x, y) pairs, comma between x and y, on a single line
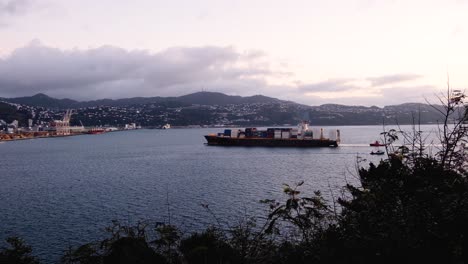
[(20, 136)]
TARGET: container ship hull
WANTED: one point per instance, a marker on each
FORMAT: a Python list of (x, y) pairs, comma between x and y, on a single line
[(270, 142)]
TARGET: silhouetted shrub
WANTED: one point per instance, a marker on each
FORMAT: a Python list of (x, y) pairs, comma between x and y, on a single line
[(208, 247), (132, 250), (17, 253), (416, 213)]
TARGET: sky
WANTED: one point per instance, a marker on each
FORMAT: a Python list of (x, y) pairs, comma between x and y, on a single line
[(355, 52)]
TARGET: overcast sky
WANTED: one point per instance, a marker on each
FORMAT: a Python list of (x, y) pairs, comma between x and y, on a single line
[(313, 52)]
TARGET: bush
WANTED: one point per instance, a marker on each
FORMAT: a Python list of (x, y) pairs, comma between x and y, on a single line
[(406, 213), (17, 252)]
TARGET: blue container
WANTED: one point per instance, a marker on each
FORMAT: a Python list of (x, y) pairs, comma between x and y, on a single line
[(227, 132)]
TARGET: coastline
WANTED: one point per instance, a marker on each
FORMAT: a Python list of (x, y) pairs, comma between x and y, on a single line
[(34, 135)]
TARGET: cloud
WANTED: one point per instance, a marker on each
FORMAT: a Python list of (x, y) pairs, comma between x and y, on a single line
[(14, 7), (334, 85), (9, 9), (417, 93), (366, 92), (113, 72), (392, 79)]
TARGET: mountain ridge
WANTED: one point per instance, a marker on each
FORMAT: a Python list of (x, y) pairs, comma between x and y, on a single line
[(197, 98), (208, 108), (200, 98)]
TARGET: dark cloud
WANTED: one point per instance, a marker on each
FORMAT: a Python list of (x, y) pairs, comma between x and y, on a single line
[(114, 72), (334, 85), (392, 79), (14, 7)]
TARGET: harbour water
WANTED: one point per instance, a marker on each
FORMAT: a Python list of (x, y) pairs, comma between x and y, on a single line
[(60, 192)]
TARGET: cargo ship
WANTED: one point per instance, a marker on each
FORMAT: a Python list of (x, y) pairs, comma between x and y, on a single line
[(275, 137)]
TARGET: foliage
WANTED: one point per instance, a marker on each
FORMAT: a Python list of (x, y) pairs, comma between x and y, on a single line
[(453, 131), (17, 252), (9, 113), (126, 244), (207, 247), (308, 216), (406, 213)]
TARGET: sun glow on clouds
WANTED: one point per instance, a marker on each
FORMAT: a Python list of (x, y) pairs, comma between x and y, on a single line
[(344, 94), (408, 86), (347, 88)]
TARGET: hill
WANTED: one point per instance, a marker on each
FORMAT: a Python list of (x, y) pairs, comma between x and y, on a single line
[(199, 98), (209, 108), (211, 98), (9, 113), (41, 100)]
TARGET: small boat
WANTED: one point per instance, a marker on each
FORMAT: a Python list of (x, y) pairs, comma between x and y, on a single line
[(96, 130), (166, 126), (377, 152), (377, 144)]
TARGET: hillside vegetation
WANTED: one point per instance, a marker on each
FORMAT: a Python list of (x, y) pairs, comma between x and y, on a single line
[(9, 113), (207, 108)]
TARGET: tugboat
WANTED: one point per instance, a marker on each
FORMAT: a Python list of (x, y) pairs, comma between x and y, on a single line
[(377, 144), (274, 137), (377, 152)]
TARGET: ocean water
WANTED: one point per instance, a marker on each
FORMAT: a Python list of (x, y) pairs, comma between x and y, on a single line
[(61, 192)]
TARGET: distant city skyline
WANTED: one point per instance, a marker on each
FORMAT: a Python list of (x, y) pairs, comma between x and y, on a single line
[(360, 52)]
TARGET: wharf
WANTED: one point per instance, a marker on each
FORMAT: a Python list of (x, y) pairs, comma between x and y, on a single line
[(32, 135)]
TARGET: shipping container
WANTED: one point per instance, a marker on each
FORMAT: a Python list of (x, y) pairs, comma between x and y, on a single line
[(277, 135), (316, 132), (309, 134), (234, 133)]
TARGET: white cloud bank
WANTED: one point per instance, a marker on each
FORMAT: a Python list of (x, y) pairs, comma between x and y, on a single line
[(112, 72)]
